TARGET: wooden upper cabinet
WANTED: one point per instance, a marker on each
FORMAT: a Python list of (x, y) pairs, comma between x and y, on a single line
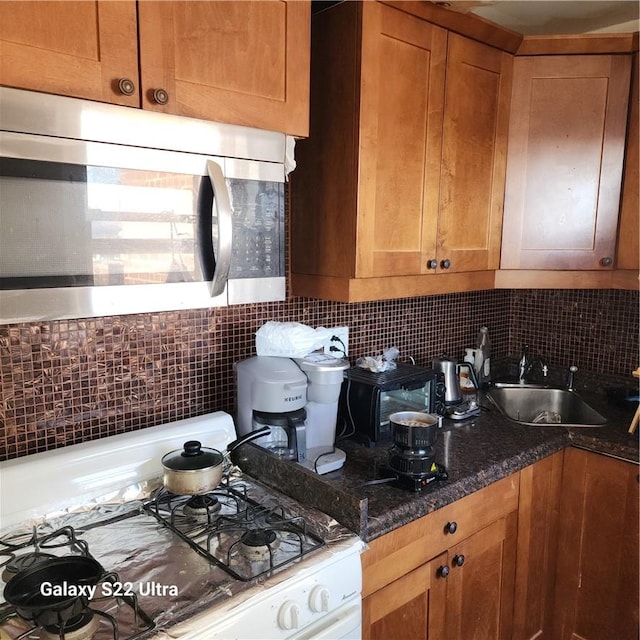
[(476, 118), (245, 63), (564, 169), (79, 49), (401, 105), (628, 251), (403, 173)]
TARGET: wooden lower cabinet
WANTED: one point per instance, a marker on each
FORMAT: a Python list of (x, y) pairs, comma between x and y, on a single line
[(411, 607), (465, 590), (538, 521), (479, 597), (462, 594), (549, 553), (597, 575)]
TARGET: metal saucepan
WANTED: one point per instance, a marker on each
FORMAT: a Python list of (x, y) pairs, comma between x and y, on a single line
[(24, 590), (196, 469)]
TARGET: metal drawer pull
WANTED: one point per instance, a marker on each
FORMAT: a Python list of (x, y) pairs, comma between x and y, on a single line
[(126, 87), (451, 527), (160, 96)]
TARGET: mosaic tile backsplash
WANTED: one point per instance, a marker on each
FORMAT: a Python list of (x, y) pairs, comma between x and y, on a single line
[(68, 381)]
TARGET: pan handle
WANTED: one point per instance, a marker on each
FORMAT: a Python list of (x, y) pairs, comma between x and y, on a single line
[(248, 437)]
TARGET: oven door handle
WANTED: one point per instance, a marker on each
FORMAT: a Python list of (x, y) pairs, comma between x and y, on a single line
[(214, 199)]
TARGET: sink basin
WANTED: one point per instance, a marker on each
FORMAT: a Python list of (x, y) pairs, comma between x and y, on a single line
[(541, 406)]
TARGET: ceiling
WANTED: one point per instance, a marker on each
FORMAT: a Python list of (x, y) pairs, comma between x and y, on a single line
[(548, 17)]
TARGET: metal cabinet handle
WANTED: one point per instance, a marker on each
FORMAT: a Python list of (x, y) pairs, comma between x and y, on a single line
[(445, 264), (606, 262), (443, 571), (451, 527), (126, 87), (432, 264), (214, 199), (160, 96), (458, 560)]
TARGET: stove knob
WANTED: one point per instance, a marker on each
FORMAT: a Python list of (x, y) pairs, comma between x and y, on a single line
[(319, 599), (289, 615)]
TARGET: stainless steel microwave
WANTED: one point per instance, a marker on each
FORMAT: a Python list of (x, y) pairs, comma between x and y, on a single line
[(108, 210)]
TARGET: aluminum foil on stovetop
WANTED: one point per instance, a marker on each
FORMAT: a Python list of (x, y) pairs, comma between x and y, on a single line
[(171, 581)]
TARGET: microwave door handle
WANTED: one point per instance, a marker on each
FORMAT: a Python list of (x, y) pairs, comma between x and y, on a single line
[(221, 259)]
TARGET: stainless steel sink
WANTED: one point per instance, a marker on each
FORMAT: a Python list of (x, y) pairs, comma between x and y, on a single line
[(543, 407)]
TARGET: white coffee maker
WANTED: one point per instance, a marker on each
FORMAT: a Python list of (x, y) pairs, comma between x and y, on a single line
[(298, 400)]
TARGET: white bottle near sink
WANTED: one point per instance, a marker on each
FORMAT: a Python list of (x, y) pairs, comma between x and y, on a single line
[(482, 363)]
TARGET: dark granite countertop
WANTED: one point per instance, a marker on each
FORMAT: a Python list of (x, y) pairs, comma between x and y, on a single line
[(475, 452)]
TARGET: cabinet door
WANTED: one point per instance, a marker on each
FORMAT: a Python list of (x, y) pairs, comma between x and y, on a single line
[(628, 253), (597, 575), (538, 515), (401, 105), (79, 49), (411, 608), (564, 165), (476, 119), (481, 582), (245, 63)]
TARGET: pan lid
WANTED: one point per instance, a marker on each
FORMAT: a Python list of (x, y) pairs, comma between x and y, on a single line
[(193, 457)]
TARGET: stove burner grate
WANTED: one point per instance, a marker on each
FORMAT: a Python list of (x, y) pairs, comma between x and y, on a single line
[(27, 560), (215, 507), (82, 627), (70, 618), (220, 539), (202, 507), (257, 545), (258, 537)]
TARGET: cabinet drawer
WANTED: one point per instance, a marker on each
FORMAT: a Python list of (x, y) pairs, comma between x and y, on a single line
[(395, 554)]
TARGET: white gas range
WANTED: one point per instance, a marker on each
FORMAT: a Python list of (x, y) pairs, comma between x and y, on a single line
[(98, 549)]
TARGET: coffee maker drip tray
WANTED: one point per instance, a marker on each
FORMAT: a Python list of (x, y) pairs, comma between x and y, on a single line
[(323, 460)]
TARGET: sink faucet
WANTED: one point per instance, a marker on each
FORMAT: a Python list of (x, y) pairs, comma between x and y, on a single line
[(526, 364), (523, 365)]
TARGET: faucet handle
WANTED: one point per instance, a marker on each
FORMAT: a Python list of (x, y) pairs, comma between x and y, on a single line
[(572, 371)]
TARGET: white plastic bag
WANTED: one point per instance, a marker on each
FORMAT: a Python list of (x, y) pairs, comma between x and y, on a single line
[(378, 364), (289, 339)]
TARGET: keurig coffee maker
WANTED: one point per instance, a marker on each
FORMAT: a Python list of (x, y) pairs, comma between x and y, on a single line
[(298, 399)]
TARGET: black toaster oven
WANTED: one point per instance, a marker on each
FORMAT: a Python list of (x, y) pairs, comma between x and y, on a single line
[(367, 399)]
